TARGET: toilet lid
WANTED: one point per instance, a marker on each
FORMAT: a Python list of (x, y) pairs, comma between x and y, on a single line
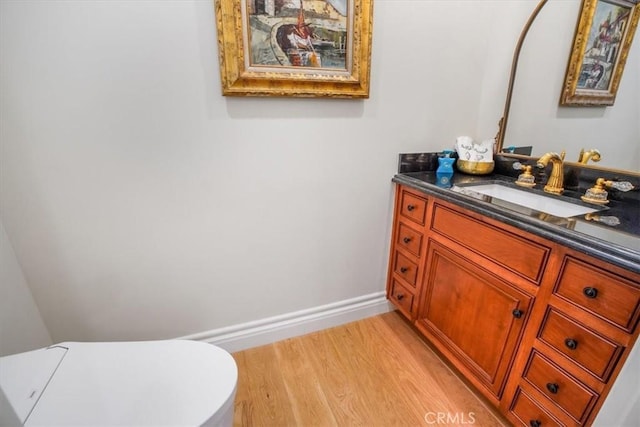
[(151, 383), (23, 378)]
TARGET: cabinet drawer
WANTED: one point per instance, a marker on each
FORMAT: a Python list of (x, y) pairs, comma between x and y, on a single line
[(413, 207), (561, 388), (600, 292), (530, 413), (590, 350), (523, 257), (405, 268), (401, 297), (409, 239)]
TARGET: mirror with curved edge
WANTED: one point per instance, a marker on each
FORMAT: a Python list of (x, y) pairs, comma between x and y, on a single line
[(535, 117)]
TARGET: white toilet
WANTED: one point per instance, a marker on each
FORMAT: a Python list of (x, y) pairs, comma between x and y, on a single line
[(150, 383)]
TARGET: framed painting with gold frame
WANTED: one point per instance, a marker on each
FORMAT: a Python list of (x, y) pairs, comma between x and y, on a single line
[(302, 48), (601, 44)]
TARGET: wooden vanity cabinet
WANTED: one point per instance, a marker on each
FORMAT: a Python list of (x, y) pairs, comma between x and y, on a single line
[(578, 342), (408, 250), (471, 315), (539, 329), (465, 283)]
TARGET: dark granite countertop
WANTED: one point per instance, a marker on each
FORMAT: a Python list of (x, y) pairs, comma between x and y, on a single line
[(618, 244)]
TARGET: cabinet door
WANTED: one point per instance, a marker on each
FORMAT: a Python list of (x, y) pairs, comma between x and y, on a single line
[(472, 315)]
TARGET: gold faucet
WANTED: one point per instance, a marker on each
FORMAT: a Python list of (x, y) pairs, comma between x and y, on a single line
[(556, 180), (592, 154)]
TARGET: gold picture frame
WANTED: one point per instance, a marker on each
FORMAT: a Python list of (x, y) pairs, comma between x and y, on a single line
[(321, 48), (601, 44)]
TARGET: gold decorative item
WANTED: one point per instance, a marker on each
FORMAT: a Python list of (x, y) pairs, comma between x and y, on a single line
[(475, 168), (600, 48), (592, 154), (302, 49)]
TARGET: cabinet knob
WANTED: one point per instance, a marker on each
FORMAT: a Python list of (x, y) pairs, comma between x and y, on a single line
[(410, 207), (406, 239), (535, 423), (590, 292), (517, 313), (399, 297), (553, 387), (403, 269), (571, 343)]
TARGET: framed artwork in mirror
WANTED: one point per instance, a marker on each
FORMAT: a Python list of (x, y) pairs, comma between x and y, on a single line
[(601, 44), (301, 48)]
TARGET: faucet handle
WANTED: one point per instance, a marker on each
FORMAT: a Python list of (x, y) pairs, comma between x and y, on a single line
[(608, 220), (620, 185), (598, 195), (526, 179)]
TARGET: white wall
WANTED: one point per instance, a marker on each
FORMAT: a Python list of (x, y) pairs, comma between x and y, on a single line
[(21, 326), (622, 407), (142, 204)]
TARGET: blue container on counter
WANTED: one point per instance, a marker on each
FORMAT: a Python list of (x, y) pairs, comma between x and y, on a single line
[(444, 173)]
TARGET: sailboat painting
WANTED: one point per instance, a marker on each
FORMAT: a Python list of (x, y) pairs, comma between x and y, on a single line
[(298, 33), (300, 48)]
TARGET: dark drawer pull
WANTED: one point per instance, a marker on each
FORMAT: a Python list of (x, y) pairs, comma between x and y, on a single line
[(571, 343), (410, 207), (406, 239), (399, 297), (553, 388), (590, 292), (535, 423), (517, 313), (403, 269)]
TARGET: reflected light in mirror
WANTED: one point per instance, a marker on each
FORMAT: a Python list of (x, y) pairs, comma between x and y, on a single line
[(534, 115)]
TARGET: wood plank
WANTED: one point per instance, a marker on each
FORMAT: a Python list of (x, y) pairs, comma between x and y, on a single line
[(262, 396), (439, 386), (373, 372), (304, 390), (334, 375), (360, 353)]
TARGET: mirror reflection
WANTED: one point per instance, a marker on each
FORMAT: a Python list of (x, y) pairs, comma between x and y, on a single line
[(608, 134)]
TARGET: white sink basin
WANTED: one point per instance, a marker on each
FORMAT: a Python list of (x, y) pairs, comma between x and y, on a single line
[(527, 199)]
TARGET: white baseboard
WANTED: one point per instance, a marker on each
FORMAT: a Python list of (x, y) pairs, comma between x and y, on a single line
[(272, 329)]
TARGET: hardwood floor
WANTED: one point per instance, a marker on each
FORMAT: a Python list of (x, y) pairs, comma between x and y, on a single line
[(374, 372)]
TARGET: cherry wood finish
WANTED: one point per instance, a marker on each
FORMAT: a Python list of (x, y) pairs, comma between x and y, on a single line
[(559, 387), (531, 413), (590, 350), (603, 339), (402, 297), (413, 206), (472, 315), (599, 292), (408, 251), (409, 239), (404, 267), (508, 250), (539, 329)]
